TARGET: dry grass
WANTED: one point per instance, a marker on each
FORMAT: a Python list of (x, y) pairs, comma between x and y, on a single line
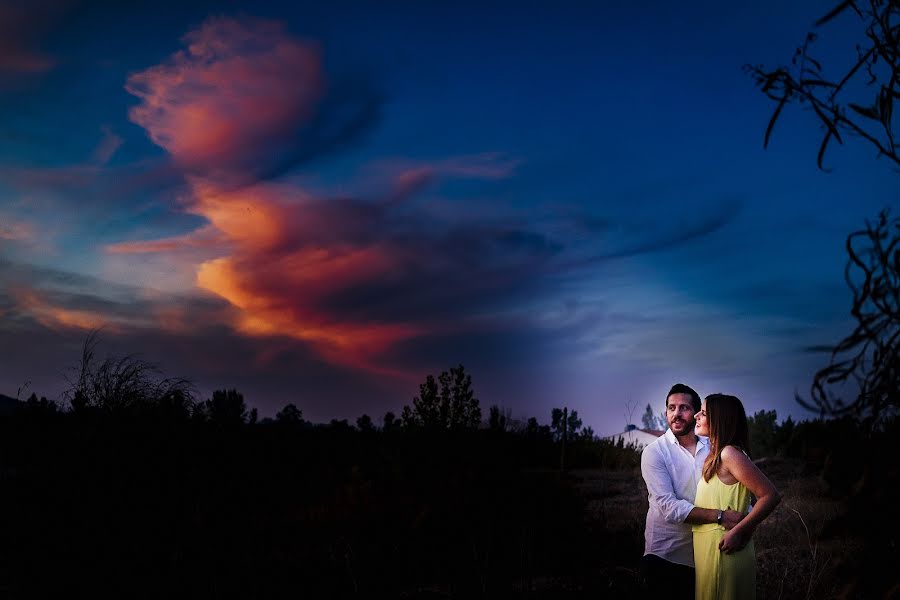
[(800, 553)]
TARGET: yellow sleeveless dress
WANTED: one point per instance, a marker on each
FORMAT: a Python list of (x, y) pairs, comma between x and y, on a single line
[(721, 576)]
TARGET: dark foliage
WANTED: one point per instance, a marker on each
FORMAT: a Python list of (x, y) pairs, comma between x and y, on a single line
[(869, 358), (121, 505), (873, 80), (445, 404)]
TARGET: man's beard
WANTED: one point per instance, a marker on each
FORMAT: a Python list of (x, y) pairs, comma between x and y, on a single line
[(687, 430)]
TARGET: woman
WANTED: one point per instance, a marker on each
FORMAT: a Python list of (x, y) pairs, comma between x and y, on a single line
[(726, 560)]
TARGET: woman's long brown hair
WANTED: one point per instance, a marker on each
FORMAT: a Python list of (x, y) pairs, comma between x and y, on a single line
[(727, 427)]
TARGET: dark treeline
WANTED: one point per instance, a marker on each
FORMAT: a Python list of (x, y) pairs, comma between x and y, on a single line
[(136, 488), (153, 498)]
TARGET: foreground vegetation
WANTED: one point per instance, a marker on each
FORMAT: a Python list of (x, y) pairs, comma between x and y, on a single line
[(118, 503)]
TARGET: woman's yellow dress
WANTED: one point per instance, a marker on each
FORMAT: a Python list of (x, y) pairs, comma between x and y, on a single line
[(722, 576)]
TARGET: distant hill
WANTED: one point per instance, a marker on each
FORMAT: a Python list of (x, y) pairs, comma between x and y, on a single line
[(8, 405)]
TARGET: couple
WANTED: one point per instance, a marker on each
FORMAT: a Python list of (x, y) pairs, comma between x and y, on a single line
[(699, 482)]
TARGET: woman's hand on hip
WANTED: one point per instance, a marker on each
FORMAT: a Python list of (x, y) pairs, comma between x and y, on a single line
[(734, 540)]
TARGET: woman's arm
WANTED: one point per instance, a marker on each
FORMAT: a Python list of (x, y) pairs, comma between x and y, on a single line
[(742, 468)]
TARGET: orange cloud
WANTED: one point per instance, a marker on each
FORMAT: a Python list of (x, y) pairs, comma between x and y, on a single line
[(238, 91), (55, 317), (278, 287), (205, 237)]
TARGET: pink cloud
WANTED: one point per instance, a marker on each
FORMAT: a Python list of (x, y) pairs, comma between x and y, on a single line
[(14, 231), (107, 146), (277, 276), (236, 87), (280, 255)]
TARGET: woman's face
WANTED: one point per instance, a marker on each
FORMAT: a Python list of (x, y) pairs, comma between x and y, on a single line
[(702, 427)]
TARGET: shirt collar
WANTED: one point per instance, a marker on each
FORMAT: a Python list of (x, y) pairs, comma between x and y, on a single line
[(670, 437)]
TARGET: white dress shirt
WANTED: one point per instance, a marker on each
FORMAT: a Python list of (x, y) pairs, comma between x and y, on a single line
[(671, 474)]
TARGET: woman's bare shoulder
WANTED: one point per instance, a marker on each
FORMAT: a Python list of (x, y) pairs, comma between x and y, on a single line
[(733, 454)]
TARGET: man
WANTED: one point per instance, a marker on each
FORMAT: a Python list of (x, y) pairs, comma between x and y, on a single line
[(671, 466)]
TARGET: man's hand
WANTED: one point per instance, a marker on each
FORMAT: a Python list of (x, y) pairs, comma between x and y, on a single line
[(730, 518), (735, 540)]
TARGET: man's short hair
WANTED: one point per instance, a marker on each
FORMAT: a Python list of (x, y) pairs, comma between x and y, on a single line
[(680, 388)]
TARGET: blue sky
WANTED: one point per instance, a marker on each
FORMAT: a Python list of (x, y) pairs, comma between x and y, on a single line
[(321, 205)]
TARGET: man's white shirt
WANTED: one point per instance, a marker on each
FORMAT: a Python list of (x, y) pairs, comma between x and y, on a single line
[(671, 475)]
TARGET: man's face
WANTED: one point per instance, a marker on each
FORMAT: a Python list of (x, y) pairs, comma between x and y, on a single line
[(680, 414)]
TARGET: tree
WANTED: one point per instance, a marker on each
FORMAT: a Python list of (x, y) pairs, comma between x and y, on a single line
[(227, 408), (874, 73), (41, 407), (364, 424), (649, 419), (446, 403), (869, 358), (465, 411), (290, 415), (426, 410), (389, 422), (762, 427), (586, 434), (661, 419), (498, 419), (557, 416)]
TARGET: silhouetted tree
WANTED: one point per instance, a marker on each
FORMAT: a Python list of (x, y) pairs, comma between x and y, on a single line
[(533, 429), (497, 419), (446, 403), (340, 425), (869, 358), (762, 426), (408, 419), (465, 410), (649, 418), (875, 72), (389, 422), (572, 421), (364, 423), (289, 415), (783, 435), (42, 407), (586, 434), (175, 406), (426, 411), (227, 408)]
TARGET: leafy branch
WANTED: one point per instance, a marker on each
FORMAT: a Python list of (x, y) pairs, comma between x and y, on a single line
[(878, 59)]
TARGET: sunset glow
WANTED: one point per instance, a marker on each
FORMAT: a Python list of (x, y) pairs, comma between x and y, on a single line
[(283, 197)]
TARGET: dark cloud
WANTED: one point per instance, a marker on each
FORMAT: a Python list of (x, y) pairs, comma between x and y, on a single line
[(666, 230), (23, 28), (351, 108)]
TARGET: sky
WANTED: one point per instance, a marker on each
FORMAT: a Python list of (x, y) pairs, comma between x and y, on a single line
[(321, 205)]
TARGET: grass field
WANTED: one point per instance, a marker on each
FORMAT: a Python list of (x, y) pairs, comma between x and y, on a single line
[(803, 551)]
